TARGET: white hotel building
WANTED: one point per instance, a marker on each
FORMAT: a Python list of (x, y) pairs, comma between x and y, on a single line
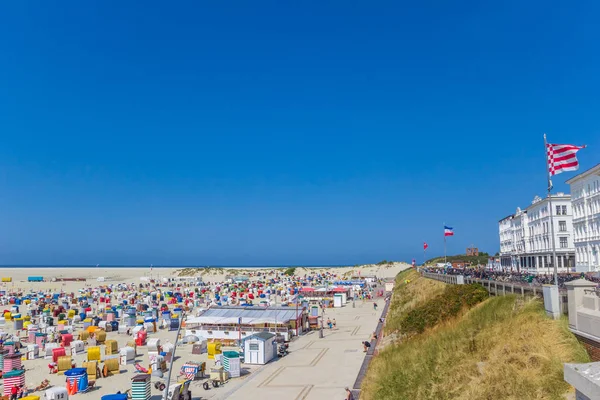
[(526, 240), (585, 188)]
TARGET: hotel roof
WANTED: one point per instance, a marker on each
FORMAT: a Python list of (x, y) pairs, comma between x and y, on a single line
[(591, 171)]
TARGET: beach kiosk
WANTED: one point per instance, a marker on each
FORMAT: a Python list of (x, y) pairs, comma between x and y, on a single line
[(337, 300), (259, 348)]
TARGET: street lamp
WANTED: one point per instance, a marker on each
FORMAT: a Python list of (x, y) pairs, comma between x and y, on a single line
[(182, 314), (322, 322)]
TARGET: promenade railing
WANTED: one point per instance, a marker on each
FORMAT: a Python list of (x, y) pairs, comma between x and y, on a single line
[(499, 288)]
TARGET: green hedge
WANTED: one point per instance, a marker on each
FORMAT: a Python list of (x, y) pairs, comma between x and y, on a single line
[(441, 308)]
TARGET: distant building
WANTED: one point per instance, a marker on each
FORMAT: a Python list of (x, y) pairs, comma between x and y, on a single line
[(585, 189), (239, 322), (472, 251), (526, 240), (459, 264)]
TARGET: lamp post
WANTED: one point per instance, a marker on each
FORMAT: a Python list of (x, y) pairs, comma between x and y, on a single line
[(298, 298), (322, 322), (165, 395)]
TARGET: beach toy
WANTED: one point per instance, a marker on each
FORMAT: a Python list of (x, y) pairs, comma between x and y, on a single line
[(93, 353)]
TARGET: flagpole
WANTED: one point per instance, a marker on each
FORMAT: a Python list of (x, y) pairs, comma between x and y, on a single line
[(551, 214), (445, 255)]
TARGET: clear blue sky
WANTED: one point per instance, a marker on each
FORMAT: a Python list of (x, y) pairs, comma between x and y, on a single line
[(271, 132)]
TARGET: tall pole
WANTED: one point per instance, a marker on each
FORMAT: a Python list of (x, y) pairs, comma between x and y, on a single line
[(166, 393), (322, 322), (445, 254), (551, 213), (297, 313)]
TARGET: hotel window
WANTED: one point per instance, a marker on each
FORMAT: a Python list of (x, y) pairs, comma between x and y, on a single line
[(564, 210), (564, 242), (557, 210), (562, 226)]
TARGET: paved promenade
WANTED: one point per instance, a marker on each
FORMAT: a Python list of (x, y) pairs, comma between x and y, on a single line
[(315, 368)]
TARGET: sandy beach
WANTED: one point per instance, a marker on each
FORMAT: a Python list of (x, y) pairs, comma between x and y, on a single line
[(37, 369), (132, 275)]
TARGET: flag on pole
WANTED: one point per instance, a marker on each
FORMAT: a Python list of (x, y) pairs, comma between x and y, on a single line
[(425, 246), (562, 158), (448, 231)]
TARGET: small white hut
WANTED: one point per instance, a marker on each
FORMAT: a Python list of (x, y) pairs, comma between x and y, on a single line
[(260, 348)]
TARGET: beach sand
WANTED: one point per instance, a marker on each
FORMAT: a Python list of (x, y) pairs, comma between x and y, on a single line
[(37, 370)]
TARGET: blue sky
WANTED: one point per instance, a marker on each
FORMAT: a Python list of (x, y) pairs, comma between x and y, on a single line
[(282, 132)]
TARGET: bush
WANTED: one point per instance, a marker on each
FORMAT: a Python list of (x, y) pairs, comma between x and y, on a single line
[(449, 304), (290, 271)]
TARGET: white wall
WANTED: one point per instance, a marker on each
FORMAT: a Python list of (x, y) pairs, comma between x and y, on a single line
[(586, 219)]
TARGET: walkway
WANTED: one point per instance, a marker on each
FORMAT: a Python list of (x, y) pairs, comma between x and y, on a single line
[(316, 368)]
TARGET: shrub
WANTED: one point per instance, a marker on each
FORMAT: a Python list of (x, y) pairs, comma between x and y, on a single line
[(442, 307), (290, 271)]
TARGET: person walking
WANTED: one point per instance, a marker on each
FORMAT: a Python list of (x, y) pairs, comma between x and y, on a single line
[(375, 306), (334, 324), (349, 395)]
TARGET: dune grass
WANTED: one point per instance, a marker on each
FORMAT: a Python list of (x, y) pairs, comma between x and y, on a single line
[(409, 295), (503, 348)]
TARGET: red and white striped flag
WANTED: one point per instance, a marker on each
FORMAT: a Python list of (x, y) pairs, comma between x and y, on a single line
[(562, 158)]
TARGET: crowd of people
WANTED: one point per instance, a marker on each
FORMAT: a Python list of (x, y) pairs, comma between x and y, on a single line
[(518, 277)]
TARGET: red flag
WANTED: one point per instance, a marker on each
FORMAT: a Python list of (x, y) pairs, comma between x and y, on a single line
[(425, 246), (562, 157)]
